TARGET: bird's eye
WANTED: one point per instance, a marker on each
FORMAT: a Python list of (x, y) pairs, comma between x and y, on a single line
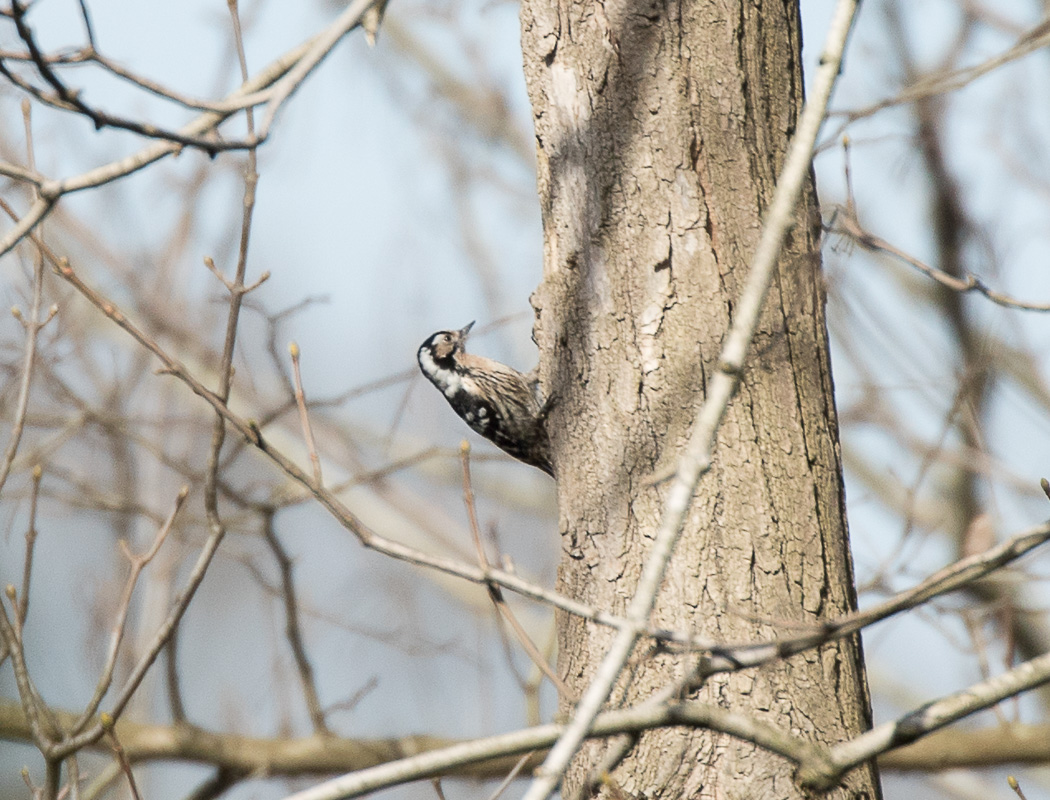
[(446, 338)]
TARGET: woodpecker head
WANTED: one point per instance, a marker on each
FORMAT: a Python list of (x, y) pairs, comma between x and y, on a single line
[(440, 349)]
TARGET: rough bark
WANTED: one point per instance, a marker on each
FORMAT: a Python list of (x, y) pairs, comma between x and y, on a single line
[(660, 132)]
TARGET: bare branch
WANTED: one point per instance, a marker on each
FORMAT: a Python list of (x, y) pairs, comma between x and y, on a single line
[(304, 416), (495, 593), (67, 99), (250, 93), (994, 745), (519, 742), (928, 718), (160, 638), (293, 627), (847, 224), (32, 324), (122, 758), (22, 612), (932, 85), (138, 564), (26, 691), (321, 46)]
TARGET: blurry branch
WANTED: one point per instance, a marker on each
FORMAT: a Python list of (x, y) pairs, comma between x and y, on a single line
[(385, 758), (695, 457), (68, 99), (508, 779), (304, 415), (985, 747), (122, 760), (73, 777), (846, 223), (216, 785), (22, 612), (138, 564), (932, 85), (503, 610), (103, 781), (272, 86), (321, 45), (293, 627), (478, 105), (172, 681), (313, 755), (953, 228), (32, 325)]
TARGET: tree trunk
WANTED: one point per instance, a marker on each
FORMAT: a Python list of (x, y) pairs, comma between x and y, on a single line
[(660, 131)]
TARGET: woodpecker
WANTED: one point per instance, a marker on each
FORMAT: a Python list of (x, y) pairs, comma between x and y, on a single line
[(495, 400)]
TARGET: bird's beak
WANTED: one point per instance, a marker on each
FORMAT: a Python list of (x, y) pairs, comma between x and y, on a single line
[(464, 331)]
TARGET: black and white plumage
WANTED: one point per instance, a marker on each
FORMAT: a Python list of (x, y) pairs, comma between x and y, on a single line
[(495, 400)]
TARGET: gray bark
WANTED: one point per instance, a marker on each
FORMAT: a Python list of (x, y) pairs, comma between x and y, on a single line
[(660, 132)]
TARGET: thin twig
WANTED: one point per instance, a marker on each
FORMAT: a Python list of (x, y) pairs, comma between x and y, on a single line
[(68, 99), (32, 325), (122, 758), (103, 782), (847, 224), (1013, 784), (27, 693), (293, 627), (495, 593), (304, 416), (322, 45), (171, 679), (251, 92), (138, 563), (932, 85), (509, 779), (89, 29), (27, 565)]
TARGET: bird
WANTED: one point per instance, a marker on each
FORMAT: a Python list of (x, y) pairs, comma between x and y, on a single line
[(495, 400)]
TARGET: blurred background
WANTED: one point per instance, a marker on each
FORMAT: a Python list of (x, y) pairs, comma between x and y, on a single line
[(396, 197)]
